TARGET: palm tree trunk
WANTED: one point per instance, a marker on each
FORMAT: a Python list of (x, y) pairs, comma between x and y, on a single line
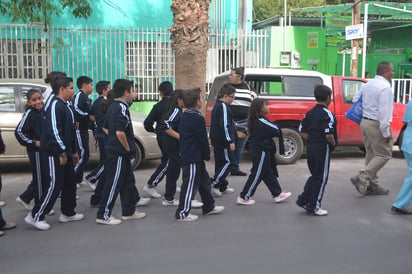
[(189, 34)]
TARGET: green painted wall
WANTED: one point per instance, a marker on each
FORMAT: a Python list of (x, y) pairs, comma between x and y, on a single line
[(150, 13), (142, 107), (142, 13), (310, 42), (113, 16)]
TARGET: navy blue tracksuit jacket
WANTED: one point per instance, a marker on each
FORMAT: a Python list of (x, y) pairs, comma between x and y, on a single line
[(222, 134)]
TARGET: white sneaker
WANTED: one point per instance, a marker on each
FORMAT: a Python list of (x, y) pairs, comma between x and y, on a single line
[(178, 189), (151, 191), (241, 201), (229, 190), (24, 204), (173, 202), (216, 192), (188, 218), (42, 225), (111, 221), (196, 204), (282, 196), (76, 217), (143, 201), (51, 212), (216, 210), (2, 203), (320, 212), (135, 216)]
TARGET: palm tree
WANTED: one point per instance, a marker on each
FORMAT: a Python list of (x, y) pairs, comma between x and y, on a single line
[(189, 34)]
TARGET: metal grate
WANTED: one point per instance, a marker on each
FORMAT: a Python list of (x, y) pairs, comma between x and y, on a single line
[(23, 52), (107, 53)]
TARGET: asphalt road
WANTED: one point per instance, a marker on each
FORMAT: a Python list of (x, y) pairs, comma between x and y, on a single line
[(360, 235)]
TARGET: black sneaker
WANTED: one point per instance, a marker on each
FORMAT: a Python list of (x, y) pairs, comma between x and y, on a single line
[(400, 210), (301, 204), (238, 173)]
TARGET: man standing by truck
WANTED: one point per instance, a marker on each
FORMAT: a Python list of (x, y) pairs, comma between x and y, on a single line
[(240, 107), (377, 103)]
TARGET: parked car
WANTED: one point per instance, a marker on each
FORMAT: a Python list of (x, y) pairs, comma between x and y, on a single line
[(12, 102), (290, 95)]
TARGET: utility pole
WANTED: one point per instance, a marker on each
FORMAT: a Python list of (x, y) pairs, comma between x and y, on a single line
[(356, 14), (242, 30)]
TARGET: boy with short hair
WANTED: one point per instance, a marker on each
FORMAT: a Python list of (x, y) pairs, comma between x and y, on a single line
[(120, 147), (194, 150), (223, 138), (319, 128), (82, 106), (156, 116), (102, 88)]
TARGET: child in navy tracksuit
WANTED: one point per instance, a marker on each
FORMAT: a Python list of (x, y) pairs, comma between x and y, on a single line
[(223, 137), (104, 106), (82, 106), (194, 150), (28, 133), (319, 128), (262, 150), (102, 88), (4, 225), (120, 147), (156, 115), (59, 154), (171, 129)]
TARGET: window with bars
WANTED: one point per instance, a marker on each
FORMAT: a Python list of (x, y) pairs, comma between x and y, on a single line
[(23, 59), (149, 63)]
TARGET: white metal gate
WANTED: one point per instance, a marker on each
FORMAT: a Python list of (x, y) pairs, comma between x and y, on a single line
[(140, 54)]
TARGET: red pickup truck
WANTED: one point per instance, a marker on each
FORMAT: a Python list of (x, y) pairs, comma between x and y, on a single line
[(290, 96)]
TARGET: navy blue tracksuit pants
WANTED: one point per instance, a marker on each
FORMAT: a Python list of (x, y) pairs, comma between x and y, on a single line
[(318, 159), (2, 221), (34, 189), (263, 169), (160, 171), (56, 178), (172, 173), (119, 180), (94, 176), (95, 198), (223, 165), (195, 177), (83, 142)]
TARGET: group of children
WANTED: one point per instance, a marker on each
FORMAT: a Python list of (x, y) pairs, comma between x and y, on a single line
[(187, 146), (55, 133), (56, 136)]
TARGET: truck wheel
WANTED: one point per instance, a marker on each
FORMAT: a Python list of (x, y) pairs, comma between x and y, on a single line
[(293, 147), (137, 159)]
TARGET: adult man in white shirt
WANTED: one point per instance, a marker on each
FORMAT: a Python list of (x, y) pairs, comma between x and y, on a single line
[(377, 103)]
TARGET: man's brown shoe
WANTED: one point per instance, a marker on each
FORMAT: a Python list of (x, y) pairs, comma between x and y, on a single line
[(376, 191), (360, 187)]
